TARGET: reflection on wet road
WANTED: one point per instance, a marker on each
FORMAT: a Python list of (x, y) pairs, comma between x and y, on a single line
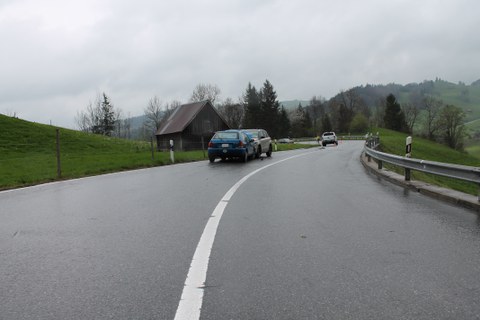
[(315, 237)]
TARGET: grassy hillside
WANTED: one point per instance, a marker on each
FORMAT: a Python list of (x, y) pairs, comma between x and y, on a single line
[(472, 142), (459, 94), (394, 143), (28, 153)]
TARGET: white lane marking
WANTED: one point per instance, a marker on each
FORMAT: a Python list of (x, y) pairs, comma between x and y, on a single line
[(190, 304)]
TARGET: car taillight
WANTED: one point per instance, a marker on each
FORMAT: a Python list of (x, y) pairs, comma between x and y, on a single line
[(210, 144), (240, 144)]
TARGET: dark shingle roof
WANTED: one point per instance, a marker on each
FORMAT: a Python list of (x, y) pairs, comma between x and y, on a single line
[(181, 117)]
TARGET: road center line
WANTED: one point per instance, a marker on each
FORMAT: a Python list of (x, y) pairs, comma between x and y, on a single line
[(190, 304)]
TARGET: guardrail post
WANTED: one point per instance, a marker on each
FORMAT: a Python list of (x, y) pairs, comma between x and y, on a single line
[(407, 174), (151, 147), (59, 164), (172, 156), (408, 147), (380, 164)]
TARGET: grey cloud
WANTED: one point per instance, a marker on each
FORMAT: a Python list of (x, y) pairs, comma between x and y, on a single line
[(56, 58)]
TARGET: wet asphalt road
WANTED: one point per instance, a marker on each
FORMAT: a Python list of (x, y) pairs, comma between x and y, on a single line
[(314, 237)]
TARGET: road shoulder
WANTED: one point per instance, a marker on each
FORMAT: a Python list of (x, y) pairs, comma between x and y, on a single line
[(444, 194)]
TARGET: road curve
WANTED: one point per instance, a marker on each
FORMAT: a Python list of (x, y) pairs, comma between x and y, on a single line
[(314, 237)]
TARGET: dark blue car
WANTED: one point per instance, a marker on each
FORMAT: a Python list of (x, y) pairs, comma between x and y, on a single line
[(231, 144)]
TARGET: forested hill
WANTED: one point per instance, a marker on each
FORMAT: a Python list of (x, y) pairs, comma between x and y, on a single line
[(461, 95)]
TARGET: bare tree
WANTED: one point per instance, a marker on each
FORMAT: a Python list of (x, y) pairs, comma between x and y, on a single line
[(126, 127), (83, 121), (379, 112), (316, 109), (154, 114), (157, 113), (123, 125), (118, 130), (343, 108), (232, 112), (169, 108), (411, 113), (172, 105), (205, 92), (451, 126), (353, 102), (432, 108), (87, 120), (10, 113)]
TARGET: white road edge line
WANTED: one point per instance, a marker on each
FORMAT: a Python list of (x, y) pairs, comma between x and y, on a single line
[(190, 304)]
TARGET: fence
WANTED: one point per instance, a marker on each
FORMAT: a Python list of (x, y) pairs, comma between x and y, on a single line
[(47, 157), (460, 172)]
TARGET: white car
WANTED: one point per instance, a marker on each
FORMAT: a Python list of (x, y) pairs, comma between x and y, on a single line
[(329, 138), (263, 142)]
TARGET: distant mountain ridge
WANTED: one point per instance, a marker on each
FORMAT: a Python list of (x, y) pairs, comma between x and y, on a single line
[(459, 94), (292, 104)]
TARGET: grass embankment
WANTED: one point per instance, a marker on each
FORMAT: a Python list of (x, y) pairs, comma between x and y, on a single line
[(28, 154), (472, 143), (394, 143)]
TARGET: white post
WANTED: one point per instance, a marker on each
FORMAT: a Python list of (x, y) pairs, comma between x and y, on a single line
[(408, 147), (172, 156)]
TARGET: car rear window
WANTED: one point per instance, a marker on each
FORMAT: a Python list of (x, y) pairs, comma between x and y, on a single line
[(226, 135), (328, 134)]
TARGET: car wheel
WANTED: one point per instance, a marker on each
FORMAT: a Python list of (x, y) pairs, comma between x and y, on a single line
[(259, 152), (245, 157), (336, 143), (324, 144), (269, 152), (212, 159)]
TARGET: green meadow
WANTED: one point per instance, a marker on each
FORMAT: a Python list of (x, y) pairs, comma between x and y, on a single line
[(394, 143), (28, 154)]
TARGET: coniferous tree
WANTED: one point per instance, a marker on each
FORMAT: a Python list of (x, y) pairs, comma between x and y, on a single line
[(262, 109), (100, 118), (252, 107), (394, 118), (108, 119), (283, 124), (270, 109)]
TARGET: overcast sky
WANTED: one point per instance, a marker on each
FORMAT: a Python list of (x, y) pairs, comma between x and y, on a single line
[(56, 56)]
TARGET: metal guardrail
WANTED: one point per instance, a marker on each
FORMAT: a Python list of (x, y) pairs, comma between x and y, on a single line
[(350, 137), (460, 172)]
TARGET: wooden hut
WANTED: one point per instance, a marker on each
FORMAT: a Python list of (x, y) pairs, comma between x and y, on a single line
[(190, 126)]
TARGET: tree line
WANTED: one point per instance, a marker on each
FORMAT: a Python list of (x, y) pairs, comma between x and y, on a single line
[(346, 113), (438, 121)]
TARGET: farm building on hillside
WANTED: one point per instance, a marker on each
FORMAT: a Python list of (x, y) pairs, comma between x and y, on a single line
[(190, 126)]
